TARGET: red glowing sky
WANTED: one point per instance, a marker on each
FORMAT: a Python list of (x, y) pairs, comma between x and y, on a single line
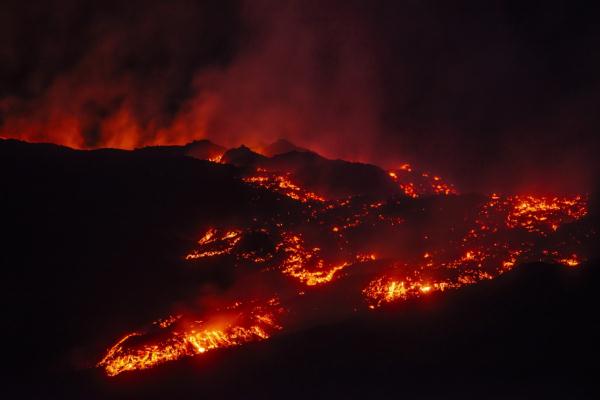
[(473, 93)]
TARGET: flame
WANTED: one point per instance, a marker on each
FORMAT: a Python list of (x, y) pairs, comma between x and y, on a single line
[(334, 250), (543, 213), (571, 261), (215, 244), (298, 260), (165, 323), (385, 289), (416, 185), (483, 257), (196, 338), (282, 184), (217, 158)]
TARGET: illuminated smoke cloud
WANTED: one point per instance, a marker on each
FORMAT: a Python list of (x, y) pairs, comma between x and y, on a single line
[(133, 85), (506, 92)]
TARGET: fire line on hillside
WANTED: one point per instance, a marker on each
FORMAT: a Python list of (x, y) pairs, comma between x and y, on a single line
[(338, 241)]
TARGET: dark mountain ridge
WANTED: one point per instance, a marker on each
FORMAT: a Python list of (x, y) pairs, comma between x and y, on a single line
[(94, 249)]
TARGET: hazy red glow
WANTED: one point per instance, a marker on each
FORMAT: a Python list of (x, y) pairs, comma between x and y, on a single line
[(345, 79), (270, 90)]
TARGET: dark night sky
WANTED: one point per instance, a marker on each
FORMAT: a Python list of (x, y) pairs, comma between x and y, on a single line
[(493, 94)]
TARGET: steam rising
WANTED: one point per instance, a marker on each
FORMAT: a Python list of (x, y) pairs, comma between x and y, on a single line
[(478, 93)]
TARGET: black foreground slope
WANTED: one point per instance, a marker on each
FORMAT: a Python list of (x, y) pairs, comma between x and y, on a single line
[(93, 242), (532, 333), (90, 248)]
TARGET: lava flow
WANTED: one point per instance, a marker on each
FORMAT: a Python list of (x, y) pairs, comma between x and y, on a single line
[(185, 339), (215, 244), (415, 185), (281, 184), (380, 250)]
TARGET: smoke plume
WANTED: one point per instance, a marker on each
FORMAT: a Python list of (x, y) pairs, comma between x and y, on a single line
[(496, 97)]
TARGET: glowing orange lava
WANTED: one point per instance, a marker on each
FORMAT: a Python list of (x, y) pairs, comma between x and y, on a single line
[(387, 290), (544, 213), (214, 243), (337, 240), (282, 184), (417, 185), (194, 338), (305, 264)]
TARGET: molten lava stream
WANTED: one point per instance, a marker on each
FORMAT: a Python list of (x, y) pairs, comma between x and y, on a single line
[(325, 248), (282, 184), (190, 339)]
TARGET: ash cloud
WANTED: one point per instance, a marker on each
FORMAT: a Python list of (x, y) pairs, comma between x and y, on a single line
[(496, 96), (105, 74), (305, 73)]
